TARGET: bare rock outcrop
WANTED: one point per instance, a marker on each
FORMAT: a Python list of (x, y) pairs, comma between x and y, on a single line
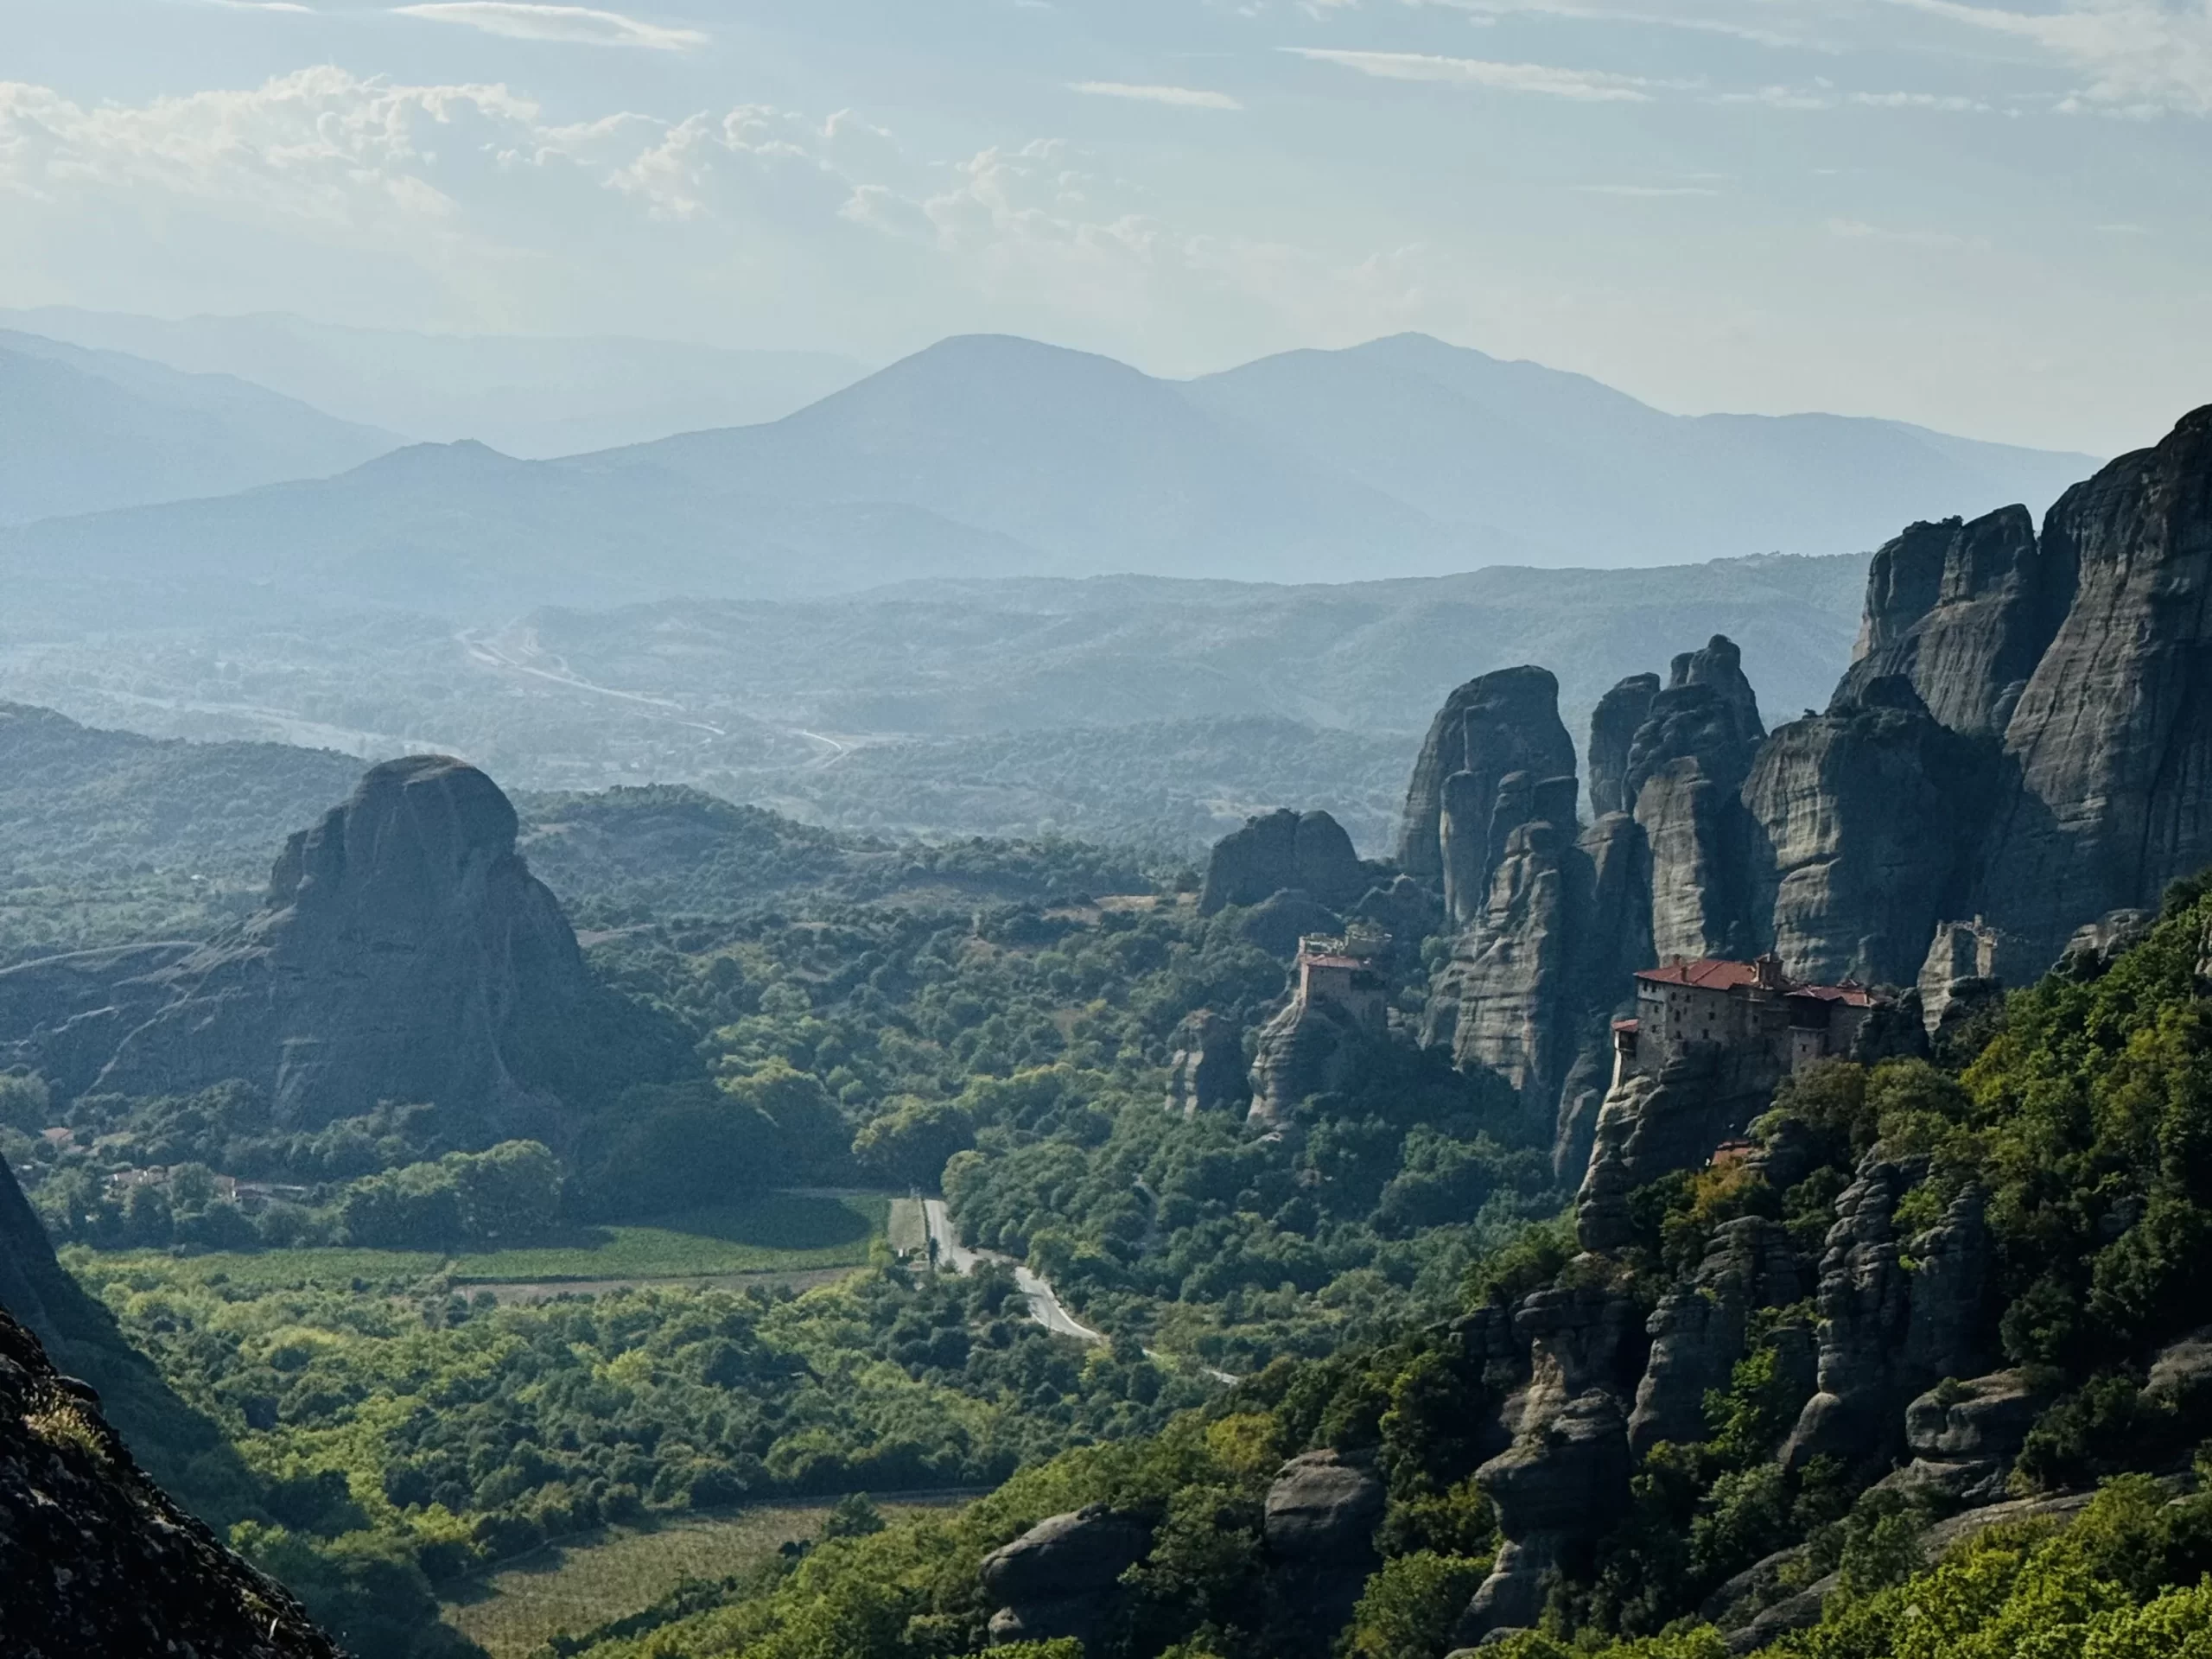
[(1866, 817), (1960, 973), (1698, 1330), (1964, 1437), (1564, 1481), (96, 1559), (1653, 1122), (404, 953), (1489, 728), (2110, 746), (1318, 1526), (1205, 1066), (1685, 769), (1062, 1576), (1619, 716), (1963, 611), (1305, 852), (1314, 1048), (1888, 1333)]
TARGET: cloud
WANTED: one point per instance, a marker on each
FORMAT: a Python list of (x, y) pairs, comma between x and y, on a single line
[(1758, 34), (1187, 98), (581, 24), (2141, 57), (1583, 86), (1822, 96)]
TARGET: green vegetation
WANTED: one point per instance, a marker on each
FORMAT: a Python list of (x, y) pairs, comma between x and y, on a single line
[(398, 1441), (630, 1575)]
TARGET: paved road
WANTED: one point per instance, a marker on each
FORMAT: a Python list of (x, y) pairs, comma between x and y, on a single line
[(1044, 1306)]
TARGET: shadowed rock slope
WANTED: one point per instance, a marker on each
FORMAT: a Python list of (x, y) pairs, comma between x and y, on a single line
[(94, 1558)]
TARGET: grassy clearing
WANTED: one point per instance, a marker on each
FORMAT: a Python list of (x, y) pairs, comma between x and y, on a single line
[(909, 1229), (609, 1575), (783, 1232)]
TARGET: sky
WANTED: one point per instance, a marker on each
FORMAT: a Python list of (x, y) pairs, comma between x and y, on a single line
[(1995, 221)]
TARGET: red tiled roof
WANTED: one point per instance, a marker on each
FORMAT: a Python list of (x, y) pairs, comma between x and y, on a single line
[(1625, 1024), (1353, 963), (1718, 974), (1708, 974)]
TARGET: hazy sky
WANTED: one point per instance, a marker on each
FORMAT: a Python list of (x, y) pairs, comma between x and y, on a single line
[(1991, 220)]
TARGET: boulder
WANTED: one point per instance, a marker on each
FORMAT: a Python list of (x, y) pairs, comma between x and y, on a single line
[(1655, 1123), (1062, 1578)]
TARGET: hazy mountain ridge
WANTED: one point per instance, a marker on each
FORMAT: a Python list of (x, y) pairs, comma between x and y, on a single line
[(990, 456), (90, 430), (525, 395)]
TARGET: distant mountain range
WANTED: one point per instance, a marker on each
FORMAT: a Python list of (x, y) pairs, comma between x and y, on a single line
[(84, 431), (988, 456), (523, 395)]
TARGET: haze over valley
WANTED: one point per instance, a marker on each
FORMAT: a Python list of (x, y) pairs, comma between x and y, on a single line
[(1136, 830)]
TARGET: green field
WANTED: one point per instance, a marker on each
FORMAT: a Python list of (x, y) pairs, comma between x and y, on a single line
[(577, 1586), (783, 1232)]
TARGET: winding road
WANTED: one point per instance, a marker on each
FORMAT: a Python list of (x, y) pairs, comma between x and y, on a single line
[(1045, 1305)]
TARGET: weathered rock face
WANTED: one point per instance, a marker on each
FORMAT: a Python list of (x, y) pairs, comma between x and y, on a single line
[(1205, 1067), (1697, 1331), (1866, 817), (187, 1452), (1318, 1526), (1504, 722), (2111, 741), (1655, 1123), (1307, 1049), (405, 953), (1960, 973), (1308, 852), (1565, 1479), (1685, 766), (1061, 1578), (1888, 1334), (1620, 716), (96, 1559), (1965, 1436), (1964, 611)]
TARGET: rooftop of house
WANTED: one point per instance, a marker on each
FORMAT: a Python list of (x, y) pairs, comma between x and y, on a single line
[(1718, 974)]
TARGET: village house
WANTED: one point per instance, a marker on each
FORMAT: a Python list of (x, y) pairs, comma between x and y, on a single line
[(1717, 1007)]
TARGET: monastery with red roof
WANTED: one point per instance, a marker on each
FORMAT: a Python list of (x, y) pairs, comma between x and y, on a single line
[(1713, 1005)]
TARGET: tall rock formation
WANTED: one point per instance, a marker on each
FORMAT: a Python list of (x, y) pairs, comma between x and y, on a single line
[(2110, 745), (1491, 727), (1619, 716), (1686, 764), (404, 953), (1866, 818), (96, 1558), (1964, 611)]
